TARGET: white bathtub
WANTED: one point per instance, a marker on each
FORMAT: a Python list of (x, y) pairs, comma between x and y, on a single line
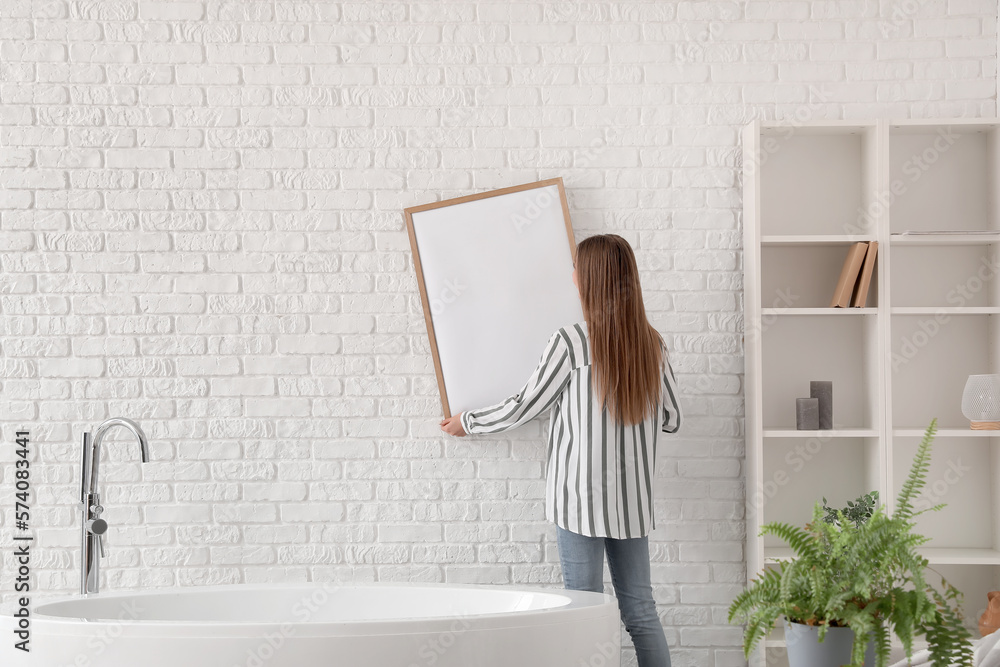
[(328, 625)]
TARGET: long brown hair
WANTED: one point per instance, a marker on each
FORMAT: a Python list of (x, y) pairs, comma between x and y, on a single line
[(625, 352)]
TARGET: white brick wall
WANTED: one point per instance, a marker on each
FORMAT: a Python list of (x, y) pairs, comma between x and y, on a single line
[(201, 228)]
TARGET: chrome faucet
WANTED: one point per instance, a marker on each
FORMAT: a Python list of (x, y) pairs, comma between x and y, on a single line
[(94, 527)]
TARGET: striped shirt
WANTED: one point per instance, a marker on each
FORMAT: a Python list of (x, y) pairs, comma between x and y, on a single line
[(599, 473)]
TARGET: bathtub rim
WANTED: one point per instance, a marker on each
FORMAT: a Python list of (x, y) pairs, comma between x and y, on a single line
[(582, 606)]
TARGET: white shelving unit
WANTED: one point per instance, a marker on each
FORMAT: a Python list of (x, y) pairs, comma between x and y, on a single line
[(933, 319)]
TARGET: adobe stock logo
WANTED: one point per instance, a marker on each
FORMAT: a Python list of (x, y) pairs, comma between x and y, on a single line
[(533, 211), (604, 654), (434, 648), (448, 295)]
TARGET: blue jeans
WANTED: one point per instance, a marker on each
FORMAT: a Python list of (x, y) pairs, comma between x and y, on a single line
[(582, 561)]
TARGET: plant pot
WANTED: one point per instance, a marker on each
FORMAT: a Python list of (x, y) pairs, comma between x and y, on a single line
[(805, 649)]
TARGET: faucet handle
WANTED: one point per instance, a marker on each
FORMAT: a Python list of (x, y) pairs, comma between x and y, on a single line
[(96, 510), (98, 527)]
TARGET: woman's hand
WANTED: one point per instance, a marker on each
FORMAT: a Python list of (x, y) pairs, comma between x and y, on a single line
[(453, 426)]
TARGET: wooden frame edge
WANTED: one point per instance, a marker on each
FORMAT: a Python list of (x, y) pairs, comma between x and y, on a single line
[(424, 301)]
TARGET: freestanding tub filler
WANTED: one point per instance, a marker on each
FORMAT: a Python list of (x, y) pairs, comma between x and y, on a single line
[(324, 625)]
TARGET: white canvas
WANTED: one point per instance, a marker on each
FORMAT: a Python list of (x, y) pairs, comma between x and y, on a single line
[(498, 278)]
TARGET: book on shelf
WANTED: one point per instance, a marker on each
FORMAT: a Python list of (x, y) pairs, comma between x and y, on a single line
[(860, 297), (849, 275)]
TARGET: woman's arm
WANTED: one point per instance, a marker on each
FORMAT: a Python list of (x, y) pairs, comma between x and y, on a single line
[(541, 390), (671, 398)]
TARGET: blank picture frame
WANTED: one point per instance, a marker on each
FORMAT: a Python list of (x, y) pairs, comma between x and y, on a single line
[(495, 276)]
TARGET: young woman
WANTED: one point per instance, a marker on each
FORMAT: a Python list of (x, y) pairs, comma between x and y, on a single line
[(612, 392)]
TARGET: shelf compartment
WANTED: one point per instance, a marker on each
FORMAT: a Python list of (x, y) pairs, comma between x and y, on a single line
[(943, 177), (932, 358), (801, 471), (817, 180), (960, 476), (949, 276), (796, 350), (795, 277)]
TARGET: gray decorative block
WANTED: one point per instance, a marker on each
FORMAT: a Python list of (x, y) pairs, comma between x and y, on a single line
[(823, 390), (806, 414)]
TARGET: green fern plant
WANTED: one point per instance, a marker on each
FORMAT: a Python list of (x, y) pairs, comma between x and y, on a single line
[(865, 575)]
